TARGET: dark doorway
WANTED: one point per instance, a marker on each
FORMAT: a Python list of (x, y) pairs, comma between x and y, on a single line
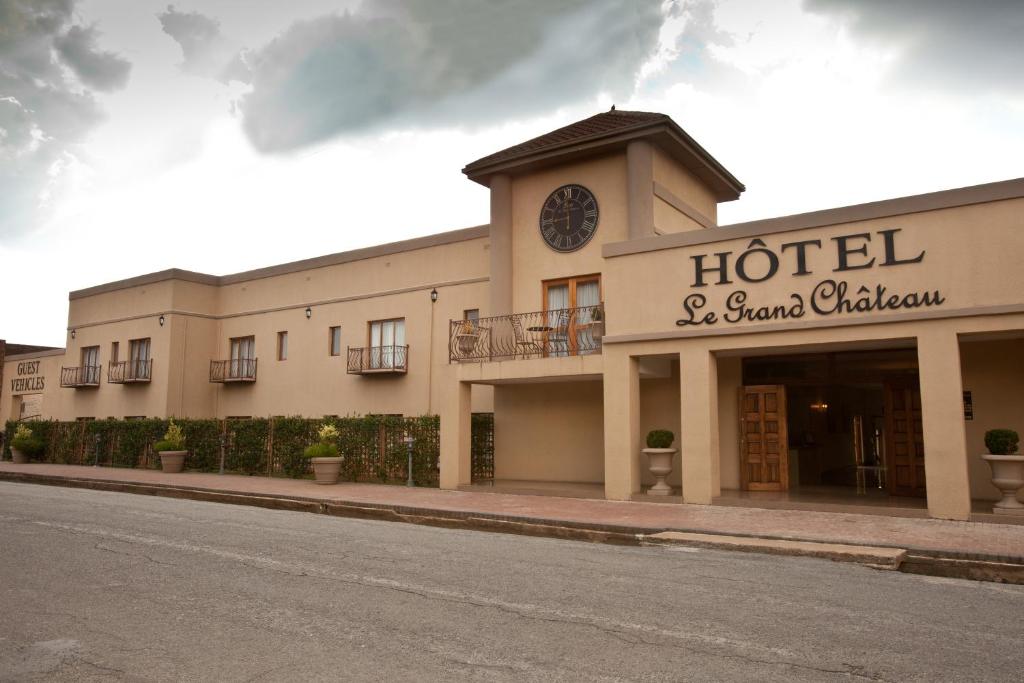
[(853, 420)]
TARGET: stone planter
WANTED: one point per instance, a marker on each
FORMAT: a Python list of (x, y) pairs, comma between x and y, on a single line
[(659, 462), (172, 461), (18, 457), (597, 330), (1008, 477), (326, 470), (466, 342)]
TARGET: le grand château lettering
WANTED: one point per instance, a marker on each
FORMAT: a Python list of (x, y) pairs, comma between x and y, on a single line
[(28, 378), (830, 296)]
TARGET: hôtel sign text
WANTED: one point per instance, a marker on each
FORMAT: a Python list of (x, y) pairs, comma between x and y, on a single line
[(829, 296)]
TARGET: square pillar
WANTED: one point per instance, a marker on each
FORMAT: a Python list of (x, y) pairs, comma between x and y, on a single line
[(942, 418), (456, 430), (621, 424), (698, 438)]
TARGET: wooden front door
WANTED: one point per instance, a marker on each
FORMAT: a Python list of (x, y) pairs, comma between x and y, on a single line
[(764, 445), (904, 439)]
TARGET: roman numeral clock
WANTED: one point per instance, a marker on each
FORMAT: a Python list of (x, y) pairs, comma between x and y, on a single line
[(568, 218)]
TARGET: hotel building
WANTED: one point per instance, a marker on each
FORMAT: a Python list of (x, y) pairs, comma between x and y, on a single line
[(862, 350)]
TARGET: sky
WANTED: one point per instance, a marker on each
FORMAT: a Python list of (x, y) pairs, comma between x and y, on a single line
[(220, 136)]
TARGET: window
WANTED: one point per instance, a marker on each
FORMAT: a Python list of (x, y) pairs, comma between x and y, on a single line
[(334, 341), (570, 303), (114, 348), (138, 359), (90, 372), (471, 314), (282, 346), (134, 417), (243, 357), (387, 343)]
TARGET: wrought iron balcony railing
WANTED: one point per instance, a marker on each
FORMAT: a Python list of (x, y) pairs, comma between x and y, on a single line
[(234, 370), (130, 372), (541, 334), (81, 377), (376, 360)]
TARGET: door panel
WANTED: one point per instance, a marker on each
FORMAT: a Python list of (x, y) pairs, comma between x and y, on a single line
[(904, 439), (764, 444)]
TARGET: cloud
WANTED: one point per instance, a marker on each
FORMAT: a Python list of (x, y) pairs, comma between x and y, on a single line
[(46, 107), (95, 68), (206, 51), (972, 45), (425, 62)]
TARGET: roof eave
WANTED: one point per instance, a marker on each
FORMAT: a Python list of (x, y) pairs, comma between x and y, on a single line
[(671, 137)]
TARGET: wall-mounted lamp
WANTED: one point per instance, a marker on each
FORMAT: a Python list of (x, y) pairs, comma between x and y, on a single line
[(309, 312), (433, 295), (819, 406), (72, 334), (161, 321)]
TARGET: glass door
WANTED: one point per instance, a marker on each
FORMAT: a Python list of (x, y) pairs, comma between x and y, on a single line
[(387, 344), (569, 306)]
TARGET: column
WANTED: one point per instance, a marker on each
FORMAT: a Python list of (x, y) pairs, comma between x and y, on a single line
[(640, 184), (698, 438), (942, 416), (621, 424), (501, 245), (456, 429)]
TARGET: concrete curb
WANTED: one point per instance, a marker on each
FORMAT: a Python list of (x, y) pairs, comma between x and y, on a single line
[(872, 556), (909, 560)]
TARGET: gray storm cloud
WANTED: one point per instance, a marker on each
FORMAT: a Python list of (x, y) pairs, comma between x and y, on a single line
[(427, 62), (205, 50), (48, 68), (976, 45)]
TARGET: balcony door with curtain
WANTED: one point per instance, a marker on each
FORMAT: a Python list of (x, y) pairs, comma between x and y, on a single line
[(243, 352), (387, 344), (138, 350), (569, 307)]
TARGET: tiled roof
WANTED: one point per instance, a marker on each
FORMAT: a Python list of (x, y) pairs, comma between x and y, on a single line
[(600, 125)]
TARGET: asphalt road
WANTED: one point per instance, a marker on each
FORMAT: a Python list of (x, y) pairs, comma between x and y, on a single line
[(100, 586)]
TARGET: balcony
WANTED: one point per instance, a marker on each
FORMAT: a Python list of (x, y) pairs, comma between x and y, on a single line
[(83, 377), (234, 371), (541, 334), (378, 360), (130, 372)]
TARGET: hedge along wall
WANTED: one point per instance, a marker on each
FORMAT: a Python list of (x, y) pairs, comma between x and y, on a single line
[(374, 446)]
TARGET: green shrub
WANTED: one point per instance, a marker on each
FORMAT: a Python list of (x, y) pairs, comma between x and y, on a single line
[(321, 450), (174, 439), (29, 445), (660, 438), (1001, 441)]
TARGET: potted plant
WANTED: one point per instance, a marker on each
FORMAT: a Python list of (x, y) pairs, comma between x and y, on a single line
[(24, 446), (467, 337), (596, 323), (324, 457), (1007, 469), (659, 453), (172, 449)]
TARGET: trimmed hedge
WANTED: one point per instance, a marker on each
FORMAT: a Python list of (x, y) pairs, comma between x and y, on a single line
[(373, 446)]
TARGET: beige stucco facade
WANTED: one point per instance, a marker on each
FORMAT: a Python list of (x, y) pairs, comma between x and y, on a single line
[(692, 312)]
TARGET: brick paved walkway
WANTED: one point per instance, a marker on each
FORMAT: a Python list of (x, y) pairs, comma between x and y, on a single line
[(940, 536)]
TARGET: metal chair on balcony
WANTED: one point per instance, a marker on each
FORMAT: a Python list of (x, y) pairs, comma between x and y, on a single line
[(524, 345), (558, 338)]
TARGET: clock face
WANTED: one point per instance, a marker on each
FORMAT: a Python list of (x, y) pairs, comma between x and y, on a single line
[(569, 218)]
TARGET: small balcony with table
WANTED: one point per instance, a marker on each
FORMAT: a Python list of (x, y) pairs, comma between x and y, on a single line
[(565, 341)]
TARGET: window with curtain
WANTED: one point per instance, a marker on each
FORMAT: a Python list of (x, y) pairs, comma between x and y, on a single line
[(334, 340), (243, 353), (569, 305), (387, 343), (90, 372), (138, 352)]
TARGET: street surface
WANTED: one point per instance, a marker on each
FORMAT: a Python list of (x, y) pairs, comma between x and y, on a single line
[(109, 586)]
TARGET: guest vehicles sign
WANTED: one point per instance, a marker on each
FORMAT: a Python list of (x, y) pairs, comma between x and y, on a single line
[(28, 379), (830, 295)]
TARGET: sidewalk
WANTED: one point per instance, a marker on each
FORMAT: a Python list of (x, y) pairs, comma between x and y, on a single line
[(1002, 543)]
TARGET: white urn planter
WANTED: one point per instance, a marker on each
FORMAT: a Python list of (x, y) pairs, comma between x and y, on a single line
[(659, 462), (1008, 477), (466, 342)]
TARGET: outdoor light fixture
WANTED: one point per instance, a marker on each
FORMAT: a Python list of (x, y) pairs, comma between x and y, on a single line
[(161, 321), (309, 312), (819, 406), (433, 295), (72, 334)]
